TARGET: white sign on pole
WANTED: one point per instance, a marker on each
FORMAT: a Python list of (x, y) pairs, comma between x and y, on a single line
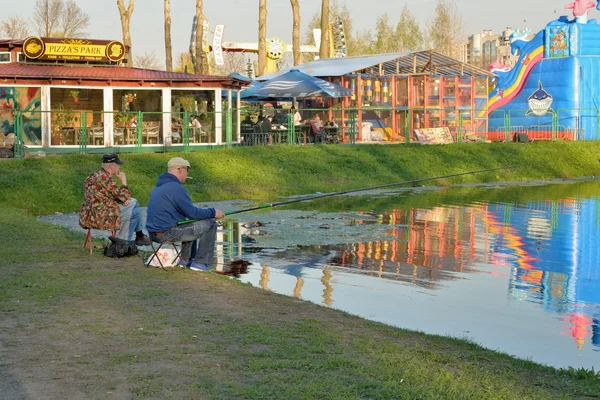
[(317, 36), (216, 44)]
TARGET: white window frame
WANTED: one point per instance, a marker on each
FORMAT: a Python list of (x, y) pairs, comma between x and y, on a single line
[(9, 57)]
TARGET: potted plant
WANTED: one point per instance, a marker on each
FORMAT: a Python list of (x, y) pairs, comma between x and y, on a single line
[(61, 118), (121, 118), (130, 97), (75, 95)]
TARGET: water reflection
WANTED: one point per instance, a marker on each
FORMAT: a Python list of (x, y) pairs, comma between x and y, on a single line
[(543, 254)]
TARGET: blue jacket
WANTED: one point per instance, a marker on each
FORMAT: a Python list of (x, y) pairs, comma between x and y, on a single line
[(170, 203)]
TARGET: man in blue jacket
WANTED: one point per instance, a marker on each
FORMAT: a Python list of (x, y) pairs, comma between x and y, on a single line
[(169, 204)]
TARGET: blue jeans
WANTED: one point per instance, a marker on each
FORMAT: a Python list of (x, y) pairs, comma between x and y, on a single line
[(202, 234), (131, 220)]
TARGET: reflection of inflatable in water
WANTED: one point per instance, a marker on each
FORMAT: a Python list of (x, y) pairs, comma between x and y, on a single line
[(563, 59), (564, 277), (579, 327)]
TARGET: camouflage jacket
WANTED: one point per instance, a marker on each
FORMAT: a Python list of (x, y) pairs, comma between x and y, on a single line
[(100, 208)]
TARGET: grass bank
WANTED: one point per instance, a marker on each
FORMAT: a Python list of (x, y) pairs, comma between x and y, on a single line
[(80, 326), (54, 183)]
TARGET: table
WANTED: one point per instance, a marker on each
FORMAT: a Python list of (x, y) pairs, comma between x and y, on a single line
[(127, 135), (302, 132)]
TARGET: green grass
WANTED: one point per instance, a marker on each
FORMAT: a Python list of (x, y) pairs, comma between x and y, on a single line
[(91, 327), (54, 183)]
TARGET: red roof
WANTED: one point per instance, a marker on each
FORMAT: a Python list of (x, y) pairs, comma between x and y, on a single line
[(116, 73)]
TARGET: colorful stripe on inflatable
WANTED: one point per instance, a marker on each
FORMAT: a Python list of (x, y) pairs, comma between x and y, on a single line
[(503, 97)]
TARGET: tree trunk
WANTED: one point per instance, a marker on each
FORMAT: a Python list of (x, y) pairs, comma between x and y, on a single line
[(125, 20), (262, 38), (324, 49), (200, 61), (296, 32), (168, 45)]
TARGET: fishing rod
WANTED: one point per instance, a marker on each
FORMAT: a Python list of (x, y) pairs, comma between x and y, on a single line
[(320, 196)]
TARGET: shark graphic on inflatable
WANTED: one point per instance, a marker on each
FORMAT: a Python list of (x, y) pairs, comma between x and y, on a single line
[(539, 102)]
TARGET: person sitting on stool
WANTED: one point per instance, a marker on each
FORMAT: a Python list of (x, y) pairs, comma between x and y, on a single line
[(169, 204), (110, 206)]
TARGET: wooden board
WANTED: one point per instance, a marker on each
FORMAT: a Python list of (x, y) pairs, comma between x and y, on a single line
[(434, 135)]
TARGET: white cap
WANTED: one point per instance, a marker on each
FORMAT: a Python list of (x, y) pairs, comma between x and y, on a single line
[(178, 162)]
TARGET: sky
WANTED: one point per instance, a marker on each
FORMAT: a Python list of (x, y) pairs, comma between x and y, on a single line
[(240, 17)]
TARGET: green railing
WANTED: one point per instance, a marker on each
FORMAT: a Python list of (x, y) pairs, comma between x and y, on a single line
[(98, 132)]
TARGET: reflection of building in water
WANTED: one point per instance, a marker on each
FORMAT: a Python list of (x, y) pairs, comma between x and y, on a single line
[(563, 275), (549, 251), (228, 243), (264, 277), (427, 245), (298, 287), (327, 292)]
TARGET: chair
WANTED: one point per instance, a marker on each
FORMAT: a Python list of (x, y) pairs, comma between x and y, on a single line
[(151, 131), (119, 134), (88, 238), (258, 137), (302, 133), (96, 134), (163, 257)]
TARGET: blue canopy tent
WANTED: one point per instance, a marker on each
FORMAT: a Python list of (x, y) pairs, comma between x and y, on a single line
[(250, 93), (294, 84)]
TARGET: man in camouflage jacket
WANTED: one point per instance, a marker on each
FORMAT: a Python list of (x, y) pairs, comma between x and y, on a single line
[(109, 206)]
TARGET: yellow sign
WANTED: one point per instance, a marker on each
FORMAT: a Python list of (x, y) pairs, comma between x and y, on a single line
[(38, 48)]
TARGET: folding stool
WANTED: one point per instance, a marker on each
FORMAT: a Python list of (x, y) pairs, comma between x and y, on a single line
[(88, 238), (155, 251)]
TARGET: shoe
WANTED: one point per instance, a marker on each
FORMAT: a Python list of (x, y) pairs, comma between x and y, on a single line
[(198, 267), (143, 241), (182, 263)]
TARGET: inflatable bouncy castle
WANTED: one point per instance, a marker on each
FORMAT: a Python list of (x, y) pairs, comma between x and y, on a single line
[(553, 91)]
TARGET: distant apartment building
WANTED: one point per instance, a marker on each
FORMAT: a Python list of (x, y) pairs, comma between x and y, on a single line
[(481, 49)]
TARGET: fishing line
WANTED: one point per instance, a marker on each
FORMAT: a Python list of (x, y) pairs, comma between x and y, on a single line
[(320, 196)]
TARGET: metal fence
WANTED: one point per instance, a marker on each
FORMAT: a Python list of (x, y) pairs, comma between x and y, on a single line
[(68, 131)]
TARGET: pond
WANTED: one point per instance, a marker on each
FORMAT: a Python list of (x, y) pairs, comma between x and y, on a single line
[(512, 268)]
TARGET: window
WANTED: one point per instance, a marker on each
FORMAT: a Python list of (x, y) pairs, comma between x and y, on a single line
[(5, 57), (21, 57)]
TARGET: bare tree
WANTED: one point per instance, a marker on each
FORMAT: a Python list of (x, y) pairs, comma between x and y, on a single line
[(46, 16), (201, 61), (73, 21), (262, 38), (324, 49), (168, 45), (446, 28), (233, 62), (60, 18), (296, 32), (148, 61), (125, 14), (14, 28)]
